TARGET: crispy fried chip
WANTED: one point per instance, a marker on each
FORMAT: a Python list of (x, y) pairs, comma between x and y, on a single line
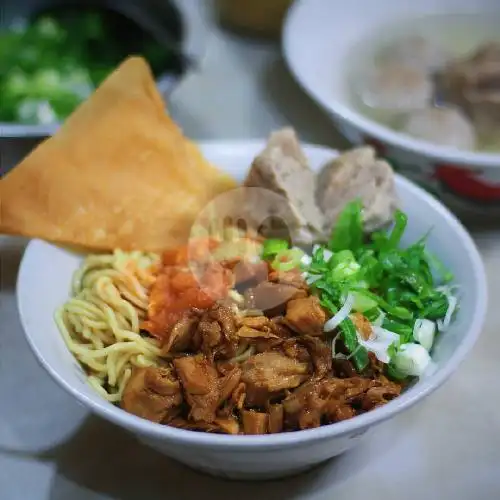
[(118, 174)]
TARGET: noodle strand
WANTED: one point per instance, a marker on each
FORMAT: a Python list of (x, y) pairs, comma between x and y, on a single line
[(100, 323)]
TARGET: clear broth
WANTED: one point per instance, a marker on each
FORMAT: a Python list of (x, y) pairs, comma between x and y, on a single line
[(458, 34)]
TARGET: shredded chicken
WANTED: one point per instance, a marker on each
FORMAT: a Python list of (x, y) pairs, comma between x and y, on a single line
[(181, 335), (153, 393), (294, 349), (280, 328), (261, 323), (217, 335), (245, 332), (201, 387), (228, 382), (305, 407), (255, 422), (269, 373), (337, 410), (255, 362), (320, 354), (306, 316), (228, 425), (276, 415)]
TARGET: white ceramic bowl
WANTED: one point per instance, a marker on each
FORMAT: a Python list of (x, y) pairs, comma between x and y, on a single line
[(319, 39), (44, 283)]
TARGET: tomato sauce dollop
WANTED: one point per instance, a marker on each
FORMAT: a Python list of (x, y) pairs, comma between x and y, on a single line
[(178, 289)]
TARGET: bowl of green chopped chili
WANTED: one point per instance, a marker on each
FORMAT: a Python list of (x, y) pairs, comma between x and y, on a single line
[(54, 54)]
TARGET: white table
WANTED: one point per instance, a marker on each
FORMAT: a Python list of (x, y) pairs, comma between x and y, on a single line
[(51, 448)]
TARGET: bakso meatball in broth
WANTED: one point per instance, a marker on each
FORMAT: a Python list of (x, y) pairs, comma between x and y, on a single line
[(396, 86), (473, 84), (444, 126), (415, 51)]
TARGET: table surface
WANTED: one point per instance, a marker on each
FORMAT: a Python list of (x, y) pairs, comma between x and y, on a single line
[(52, 448)]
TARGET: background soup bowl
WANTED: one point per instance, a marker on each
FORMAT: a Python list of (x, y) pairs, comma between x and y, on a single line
[(270, 456), (320, 37)]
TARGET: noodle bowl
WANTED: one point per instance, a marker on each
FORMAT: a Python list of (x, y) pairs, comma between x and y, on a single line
[(265, 456)]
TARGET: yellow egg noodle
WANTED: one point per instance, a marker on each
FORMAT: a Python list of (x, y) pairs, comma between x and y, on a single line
[(100, 323)]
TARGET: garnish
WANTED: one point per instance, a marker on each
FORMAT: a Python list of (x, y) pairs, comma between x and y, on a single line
[(398, 289)]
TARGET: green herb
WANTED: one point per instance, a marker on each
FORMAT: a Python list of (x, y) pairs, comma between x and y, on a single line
[(362, 303), (372, 314), (383, 276), (358, 353), (403, 330), (349, 336), (54, 63), (436, 309), (391, 371), (273, 246), (400, 222), (348, 232), (397, 311), (393, 350), (286, 260), (394, 374), (439, 267)]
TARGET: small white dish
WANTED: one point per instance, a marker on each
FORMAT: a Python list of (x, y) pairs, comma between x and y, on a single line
[(44, 284)]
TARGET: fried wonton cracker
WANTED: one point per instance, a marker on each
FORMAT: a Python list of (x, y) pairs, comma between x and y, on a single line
[(118, 174)]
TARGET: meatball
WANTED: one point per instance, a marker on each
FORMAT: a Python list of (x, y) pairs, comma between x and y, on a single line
[(357, 173), (397, 87), (417, 52), (473, 84), (443, 126)]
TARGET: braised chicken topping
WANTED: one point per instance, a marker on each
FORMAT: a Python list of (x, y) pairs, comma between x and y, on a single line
[(281, 337), (233, 374)]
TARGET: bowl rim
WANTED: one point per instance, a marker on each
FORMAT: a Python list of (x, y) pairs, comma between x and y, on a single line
[(347, 428), (375, 130), (193, 46)]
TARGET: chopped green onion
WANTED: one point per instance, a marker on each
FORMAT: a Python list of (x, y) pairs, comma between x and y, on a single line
[(348, 232), (401, 220), (273, 246), (393, 287), (350, 338), (340, 315), (373, 314), (404, 331), (286, 260), (394, 374), (398, 311), (436, 309), (412, 360), (423, 332), (445, 274), (362, 303), (345, 270), (342, 257)]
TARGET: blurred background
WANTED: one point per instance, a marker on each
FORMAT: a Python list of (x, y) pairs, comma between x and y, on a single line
[(218, 63)]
